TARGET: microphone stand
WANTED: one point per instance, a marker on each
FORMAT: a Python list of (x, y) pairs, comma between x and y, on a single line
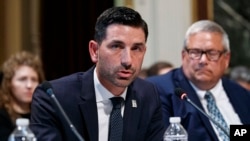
[(214, 121)]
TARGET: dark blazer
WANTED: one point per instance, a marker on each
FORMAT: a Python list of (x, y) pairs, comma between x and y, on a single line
[(77, 96), (197, 125), (6, 126)]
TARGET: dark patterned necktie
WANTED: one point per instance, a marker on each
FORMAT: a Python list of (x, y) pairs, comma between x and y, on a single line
[(216, 115), (116, 120)]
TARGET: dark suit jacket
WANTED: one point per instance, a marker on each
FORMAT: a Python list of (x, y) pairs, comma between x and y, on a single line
[(6, 125), (197, 125), (77, 97)]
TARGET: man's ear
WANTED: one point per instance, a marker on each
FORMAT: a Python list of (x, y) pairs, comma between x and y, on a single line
[(183, 54), (93, 50)]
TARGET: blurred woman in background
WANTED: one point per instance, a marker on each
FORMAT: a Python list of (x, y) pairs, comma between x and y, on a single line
[(241, 75), (159, 68), (21, 73)]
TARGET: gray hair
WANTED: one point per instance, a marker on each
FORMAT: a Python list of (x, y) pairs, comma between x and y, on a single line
[(207, 26)]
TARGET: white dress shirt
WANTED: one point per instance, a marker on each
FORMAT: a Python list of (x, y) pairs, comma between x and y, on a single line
[(104, 107)]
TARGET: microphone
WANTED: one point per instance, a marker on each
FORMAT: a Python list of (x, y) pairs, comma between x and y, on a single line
[(48, 89), (182, 95)]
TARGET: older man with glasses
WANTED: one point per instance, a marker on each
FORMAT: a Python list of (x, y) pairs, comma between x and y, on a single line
[(205, 58)]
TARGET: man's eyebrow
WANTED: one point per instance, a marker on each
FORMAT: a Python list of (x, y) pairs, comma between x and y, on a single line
[(117, 41), (139, 44)]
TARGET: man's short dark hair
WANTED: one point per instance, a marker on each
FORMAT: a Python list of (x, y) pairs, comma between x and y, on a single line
[(118, 15)]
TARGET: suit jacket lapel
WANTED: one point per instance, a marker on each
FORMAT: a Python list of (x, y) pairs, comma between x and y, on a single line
[(89, 114), (131, 114), (236, 101), (88, 106)]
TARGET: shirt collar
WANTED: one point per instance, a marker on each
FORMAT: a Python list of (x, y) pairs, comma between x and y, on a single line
[(215, 90), (102, 94)]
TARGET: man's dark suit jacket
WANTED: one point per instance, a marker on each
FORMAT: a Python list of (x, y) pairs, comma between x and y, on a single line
[(76, 94), (197, 125)]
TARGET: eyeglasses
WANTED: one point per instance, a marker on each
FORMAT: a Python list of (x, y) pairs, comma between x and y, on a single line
[(212, 55)]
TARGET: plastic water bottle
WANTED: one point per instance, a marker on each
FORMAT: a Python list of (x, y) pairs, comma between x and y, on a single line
[(22, 131), (175, 131)]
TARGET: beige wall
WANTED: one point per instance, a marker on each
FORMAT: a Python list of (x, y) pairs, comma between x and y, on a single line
[(168, 21)]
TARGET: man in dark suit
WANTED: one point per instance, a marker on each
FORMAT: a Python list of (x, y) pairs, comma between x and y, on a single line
[(205, 58), (118, 51)]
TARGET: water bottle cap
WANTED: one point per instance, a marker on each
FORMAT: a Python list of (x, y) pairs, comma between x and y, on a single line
[(22, 122), (174, 119)]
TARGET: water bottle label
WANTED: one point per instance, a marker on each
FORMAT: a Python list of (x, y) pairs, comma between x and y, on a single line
[(21, 139), (175, 138)]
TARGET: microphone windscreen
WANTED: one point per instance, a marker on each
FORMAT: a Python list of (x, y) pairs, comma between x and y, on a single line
[(46, 85), (179, 92)]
